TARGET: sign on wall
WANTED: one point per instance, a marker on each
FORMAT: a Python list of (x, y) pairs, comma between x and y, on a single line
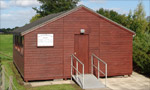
[(45, 39)]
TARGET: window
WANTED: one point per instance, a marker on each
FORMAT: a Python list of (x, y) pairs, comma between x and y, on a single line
[(19, 43)]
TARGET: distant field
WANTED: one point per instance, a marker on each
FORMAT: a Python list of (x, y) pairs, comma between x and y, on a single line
[(6, 45)]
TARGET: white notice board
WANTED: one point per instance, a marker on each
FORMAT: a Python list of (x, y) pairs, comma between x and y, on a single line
[(45, 40)]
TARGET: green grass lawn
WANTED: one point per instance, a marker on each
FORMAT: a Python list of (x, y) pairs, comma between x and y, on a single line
[(6, 42), (6, 46)]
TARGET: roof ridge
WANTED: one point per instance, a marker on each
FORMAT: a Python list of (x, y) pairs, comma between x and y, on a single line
[(52, 17)]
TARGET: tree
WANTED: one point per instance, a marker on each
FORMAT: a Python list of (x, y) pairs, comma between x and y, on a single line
[(148, 26), (148, 18), (8, 30), (113, 15), (141, 44), (137, 22), (53, 6), (129, 20), (34, 18), (141, 53)]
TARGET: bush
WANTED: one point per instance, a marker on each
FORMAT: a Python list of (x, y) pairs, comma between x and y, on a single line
[(141, 53)]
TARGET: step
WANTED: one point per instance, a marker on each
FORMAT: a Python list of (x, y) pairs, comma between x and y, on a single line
[(90, 81)]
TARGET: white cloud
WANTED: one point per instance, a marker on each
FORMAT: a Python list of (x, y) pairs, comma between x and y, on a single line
[(80, 3), (87, 2), (97, 1), (18, 3), (4, 16), (12, 15), (92, 1), (119, 10), (16, 18), (3, 5), (24, 3)]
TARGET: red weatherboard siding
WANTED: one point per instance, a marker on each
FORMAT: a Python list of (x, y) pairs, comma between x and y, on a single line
[(44, 63), (106, 40), (72, 25), (18, 61), (116, 49)]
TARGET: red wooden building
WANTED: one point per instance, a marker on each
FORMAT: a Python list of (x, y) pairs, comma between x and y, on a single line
[(42, 49)]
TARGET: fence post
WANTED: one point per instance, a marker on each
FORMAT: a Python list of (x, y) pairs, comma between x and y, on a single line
[(3, 78), (10, 83)]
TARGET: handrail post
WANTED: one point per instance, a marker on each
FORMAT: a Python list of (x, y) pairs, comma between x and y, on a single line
[(92, 64), (77, 68), (98, 67), (83, 75), (71, 66), (98, 71), (105, 74)]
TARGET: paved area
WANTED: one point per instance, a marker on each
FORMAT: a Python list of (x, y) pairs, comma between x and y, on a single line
[(42, 83), (134, 82), (100, 89)]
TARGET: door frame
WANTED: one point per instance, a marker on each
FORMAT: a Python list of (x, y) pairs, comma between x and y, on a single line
[(88, 52)]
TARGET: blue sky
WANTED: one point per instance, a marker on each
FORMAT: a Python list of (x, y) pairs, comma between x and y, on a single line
[(19, 12)]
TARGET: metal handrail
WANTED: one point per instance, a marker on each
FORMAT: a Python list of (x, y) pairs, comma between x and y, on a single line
[(77, 59), (98, 67), (99, 58), (76, 68)]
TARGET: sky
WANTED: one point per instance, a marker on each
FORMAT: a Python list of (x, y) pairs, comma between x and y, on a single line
[(19, 12)]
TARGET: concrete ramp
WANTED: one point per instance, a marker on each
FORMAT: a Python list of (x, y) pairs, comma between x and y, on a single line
[(90, 81)]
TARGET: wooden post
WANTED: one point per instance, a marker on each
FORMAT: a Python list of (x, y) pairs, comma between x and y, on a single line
[(3, 78), (10, 83)]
